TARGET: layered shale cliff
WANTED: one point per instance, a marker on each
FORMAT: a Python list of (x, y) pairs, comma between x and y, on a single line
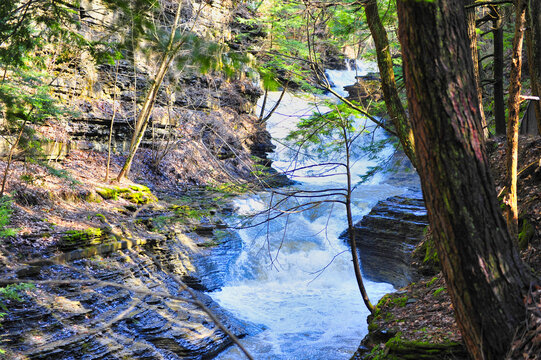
[(202, 127)]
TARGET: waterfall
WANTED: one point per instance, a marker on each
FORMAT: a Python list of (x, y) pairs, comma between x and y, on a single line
[(294, 276), (340, 78)]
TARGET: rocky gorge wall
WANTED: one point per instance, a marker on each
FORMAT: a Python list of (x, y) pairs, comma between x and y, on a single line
[(203, 128)]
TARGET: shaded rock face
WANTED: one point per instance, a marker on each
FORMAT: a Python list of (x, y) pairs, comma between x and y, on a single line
[(387, 236)]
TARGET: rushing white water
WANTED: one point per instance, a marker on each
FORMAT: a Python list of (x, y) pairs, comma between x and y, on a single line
[(341, 78), (294, 275)]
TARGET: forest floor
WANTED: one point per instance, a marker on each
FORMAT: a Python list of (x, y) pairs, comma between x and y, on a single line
[(50, 201), (422, 313)]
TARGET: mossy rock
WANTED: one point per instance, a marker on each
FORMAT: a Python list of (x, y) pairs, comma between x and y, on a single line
[(140, 197), (526, 234), (120, 190), (107, 193), (140, 188), (82, 238), (137, 194), (93, 197), (397, 348)]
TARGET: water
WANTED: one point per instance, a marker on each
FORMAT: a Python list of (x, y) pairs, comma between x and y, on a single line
[(294, 276), (341, 78)]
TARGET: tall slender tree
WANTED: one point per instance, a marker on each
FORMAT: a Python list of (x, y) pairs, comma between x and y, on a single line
[(499, 104), (510, 199), (472, 33), (394, 106), (480, 262), (534, 53), (168, 55)]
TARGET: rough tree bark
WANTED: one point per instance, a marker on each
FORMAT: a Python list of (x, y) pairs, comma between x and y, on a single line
[(480, 262), (499, 105), (510, 199), (394, 106)]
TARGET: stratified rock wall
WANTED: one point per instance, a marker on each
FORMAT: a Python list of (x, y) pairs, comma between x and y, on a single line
[(202, 128), (387, 236)]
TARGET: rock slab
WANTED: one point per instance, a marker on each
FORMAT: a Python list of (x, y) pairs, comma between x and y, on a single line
[(387, 236)]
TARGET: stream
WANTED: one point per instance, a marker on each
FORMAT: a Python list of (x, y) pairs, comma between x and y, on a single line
[(294, 275)]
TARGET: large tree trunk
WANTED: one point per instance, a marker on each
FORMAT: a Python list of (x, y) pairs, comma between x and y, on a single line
[(388, 84), (499, 105), (534, 54), (483, 272), (510, 200)]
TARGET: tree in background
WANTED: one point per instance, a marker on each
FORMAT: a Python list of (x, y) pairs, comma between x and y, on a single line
[(27, 28), (175, 44), (498, 64), (480, 262), (533, 43), (396, 110), (169, 52)]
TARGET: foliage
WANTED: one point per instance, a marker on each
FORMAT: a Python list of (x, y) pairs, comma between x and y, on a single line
[(188, 212), (228, 188), (432, 281), (323, 135), (5, 217), (526, 234), (438, 291), (12, 292), (299, 34)]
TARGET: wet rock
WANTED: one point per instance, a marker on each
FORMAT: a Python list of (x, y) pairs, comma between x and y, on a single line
[(134, 320), (366, 89), (387, 236)]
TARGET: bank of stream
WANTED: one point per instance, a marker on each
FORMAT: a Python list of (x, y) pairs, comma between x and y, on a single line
[(294, 275)]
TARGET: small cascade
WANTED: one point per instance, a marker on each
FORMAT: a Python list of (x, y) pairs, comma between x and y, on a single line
[(341, 78), (294, 275)]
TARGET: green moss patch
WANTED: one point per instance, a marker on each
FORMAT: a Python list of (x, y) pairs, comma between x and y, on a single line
[(107, 193), (136, 194), (397, 348), (82, 238), (526, 234)]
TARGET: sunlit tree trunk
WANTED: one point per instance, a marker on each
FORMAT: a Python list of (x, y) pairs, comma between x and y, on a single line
[(110, 140), (144, 115), (394, 106), (483, 272), (510, 199)]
